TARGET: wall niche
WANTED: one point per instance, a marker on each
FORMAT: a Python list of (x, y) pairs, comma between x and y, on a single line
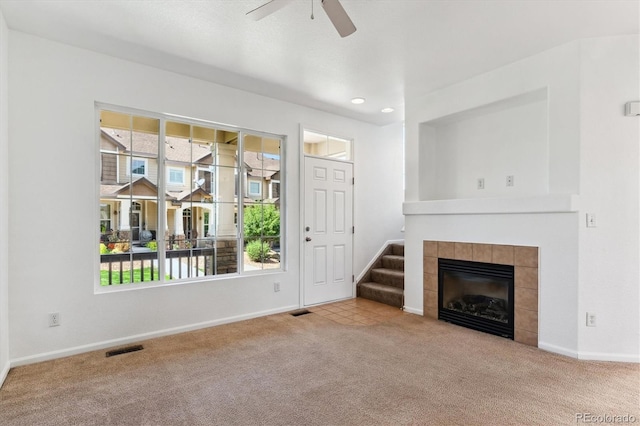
[(491, 142)]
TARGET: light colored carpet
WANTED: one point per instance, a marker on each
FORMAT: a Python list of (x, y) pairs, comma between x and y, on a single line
[(310, 370)]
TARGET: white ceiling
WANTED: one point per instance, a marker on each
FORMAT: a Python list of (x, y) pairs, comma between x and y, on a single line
[(400, 46)]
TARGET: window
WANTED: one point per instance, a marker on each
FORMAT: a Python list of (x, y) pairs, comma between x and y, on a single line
[(206, 224), (138, 167), (191, 223), (274, 189), (321, 145), (176, 176), (262, 220), (203, 179), (128, 205), (254, 188), (105, 218)]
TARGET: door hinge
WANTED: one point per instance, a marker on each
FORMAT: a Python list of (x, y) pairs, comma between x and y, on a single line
[(353, 278), (353, 229), (353, 181)]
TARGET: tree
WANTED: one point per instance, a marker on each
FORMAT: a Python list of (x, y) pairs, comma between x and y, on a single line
[(261, 221)]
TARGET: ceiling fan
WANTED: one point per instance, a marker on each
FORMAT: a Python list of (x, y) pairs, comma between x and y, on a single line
[(332, 8)]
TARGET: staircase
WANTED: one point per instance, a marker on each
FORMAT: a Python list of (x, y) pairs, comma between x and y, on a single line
[(384, 281)]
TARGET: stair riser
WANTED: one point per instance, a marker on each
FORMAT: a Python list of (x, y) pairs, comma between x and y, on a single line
[(397, 249), (395, 263), (380, 296), (387, 277)]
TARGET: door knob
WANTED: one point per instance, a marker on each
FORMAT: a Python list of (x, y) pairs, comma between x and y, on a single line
[(308, 239)]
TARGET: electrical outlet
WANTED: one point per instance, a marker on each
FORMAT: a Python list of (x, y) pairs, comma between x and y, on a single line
[(591, 319), (591, 220), (509, 180), (54, 319), (480, 183), (276, 286)]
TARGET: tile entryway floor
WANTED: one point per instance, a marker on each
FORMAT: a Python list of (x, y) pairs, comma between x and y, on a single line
[(357, 312)]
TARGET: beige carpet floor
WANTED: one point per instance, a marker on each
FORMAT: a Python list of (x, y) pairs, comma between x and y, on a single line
[(312, 370)]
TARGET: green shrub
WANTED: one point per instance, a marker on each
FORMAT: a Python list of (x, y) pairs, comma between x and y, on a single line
[(258, 251), (261, 221), (152, 245), (103, 249)]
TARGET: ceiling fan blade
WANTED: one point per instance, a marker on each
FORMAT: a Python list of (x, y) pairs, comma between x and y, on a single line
[(338, 17), (267, 9)]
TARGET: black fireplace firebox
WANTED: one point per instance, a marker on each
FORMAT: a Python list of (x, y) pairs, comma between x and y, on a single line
[(476, 295)]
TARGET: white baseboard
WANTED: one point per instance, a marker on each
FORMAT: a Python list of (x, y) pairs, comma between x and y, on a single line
[(557, 349), (589, 356), (139, 337), (375, 257), (4, 373), (413, 310), (601, 356)]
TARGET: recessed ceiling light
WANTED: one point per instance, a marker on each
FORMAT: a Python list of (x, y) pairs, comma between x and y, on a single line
[(357, 101), (387, 110)]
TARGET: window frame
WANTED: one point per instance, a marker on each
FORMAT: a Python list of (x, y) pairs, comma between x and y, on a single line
[(130, 167), (175, 169), (252, 194), (273, 182), (162, 202)]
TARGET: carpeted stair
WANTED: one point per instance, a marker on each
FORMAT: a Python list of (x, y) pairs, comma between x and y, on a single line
[(384, 281)]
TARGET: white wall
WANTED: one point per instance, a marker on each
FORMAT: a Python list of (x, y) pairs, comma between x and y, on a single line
[(512, 141), (379, 193), (52, 140), (609, 188), (4, 205), (556, 70), (592, 152)]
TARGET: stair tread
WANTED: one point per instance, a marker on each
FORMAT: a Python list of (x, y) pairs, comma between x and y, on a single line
[(383, 287), (393, 256), (389, 271)]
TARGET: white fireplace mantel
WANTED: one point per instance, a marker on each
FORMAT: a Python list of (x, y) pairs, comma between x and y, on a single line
[(552, 203)]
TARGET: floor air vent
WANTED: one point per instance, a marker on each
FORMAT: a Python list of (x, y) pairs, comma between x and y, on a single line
[(124, 350), (300, 312)]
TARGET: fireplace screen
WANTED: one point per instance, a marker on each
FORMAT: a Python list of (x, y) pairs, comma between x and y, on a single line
[(476, 295)]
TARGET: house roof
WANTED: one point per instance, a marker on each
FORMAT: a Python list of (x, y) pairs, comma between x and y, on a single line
[(177, 150), (259, 165), (141, 187), (195, 194)]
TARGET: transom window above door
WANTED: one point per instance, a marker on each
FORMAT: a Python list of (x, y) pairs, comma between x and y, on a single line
[(321, 145)]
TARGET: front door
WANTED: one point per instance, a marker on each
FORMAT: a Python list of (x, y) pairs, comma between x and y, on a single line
[(328, 230), (134, 221)]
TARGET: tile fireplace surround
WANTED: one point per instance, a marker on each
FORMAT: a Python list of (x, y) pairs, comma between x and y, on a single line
[(525, 262)]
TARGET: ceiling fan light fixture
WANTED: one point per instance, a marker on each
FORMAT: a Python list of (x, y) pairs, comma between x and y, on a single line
[(357, 101), (338, 17), (387, 110)]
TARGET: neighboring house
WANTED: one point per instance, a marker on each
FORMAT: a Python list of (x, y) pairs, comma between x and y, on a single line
[(128, 185), (263, 177), (129, 176)]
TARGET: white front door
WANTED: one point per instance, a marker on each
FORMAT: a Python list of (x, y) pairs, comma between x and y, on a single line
[(328, 230)]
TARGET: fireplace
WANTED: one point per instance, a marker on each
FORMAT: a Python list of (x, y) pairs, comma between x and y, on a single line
[(524, 260), (477, 295)]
